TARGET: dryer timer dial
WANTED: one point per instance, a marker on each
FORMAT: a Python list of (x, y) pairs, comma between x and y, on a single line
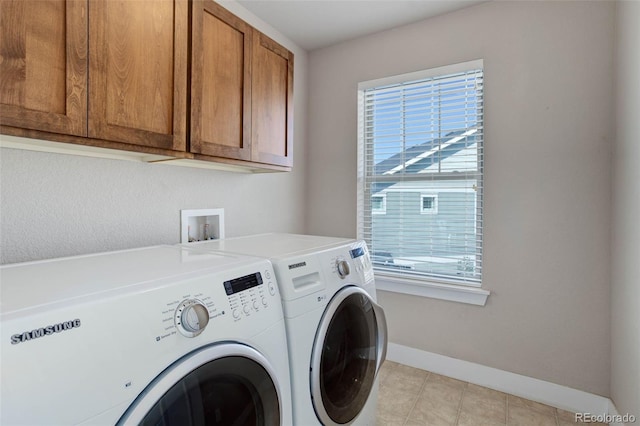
[(342, 266), (191, 317)]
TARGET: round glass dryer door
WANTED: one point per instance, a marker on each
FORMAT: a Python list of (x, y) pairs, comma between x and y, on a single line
[(349, 348), (211, 387)]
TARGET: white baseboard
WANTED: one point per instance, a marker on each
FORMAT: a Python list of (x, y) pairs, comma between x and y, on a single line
[(558, 396)]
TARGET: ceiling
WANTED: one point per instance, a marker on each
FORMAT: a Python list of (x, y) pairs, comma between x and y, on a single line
[(313, 24)]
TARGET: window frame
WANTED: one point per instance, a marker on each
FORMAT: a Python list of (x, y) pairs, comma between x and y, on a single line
[(383, 209), (397, 281), (434, 209)]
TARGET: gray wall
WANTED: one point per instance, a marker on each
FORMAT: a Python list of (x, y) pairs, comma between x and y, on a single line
[(625, 286), (548, 135), (57, 205)]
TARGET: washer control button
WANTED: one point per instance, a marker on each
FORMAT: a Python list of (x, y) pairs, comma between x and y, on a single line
[(245, 308), (236, 313), (191, 317), (264, 301)]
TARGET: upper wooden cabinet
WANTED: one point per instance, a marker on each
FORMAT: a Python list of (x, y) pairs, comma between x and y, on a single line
[(43, 65), (220, 83), (181, 79), (241, 90), (138, 72), (271, 102)]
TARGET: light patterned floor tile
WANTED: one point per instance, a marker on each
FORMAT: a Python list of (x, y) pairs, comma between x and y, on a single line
[(406, 379), (488, 409), (433, 377), (525, 416), (428, 412), (487, 393), (535, 406), (566, 416), (467, 419), (395, 405), (442, 393), (381, 421), (413, 397), (386, 369)]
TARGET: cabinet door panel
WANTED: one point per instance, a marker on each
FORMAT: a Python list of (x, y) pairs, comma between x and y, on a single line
[(272, 102), (43, 65), (220, 84), (137, 74)]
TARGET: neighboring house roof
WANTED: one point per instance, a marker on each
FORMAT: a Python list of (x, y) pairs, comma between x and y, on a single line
[(422, 157), (416, 158)]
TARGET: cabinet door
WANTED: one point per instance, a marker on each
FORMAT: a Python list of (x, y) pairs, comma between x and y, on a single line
[(272, 102), (43, 65), (138, 72), (220, 83)]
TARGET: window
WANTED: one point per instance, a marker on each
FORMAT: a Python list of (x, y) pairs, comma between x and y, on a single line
[(420, 138), (378, 204), (429, 204)]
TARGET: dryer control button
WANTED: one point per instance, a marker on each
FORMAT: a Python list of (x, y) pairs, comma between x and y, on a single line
[(272, 289), (342, 266), (246, 309), (236, 313), (264, 301)]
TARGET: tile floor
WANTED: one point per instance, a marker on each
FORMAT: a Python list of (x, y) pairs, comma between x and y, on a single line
[(413, 397)]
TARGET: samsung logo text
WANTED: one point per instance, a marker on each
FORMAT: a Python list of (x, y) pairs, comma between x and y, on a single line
[(44, 331)]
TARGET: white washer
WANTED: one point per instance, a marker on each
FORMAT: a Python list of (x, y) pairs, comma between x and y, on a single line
[(156, 335), (337, 334)]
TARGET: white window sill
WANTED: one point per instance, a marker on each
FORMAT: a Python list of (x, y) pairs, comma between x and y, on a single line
[(434, 290)]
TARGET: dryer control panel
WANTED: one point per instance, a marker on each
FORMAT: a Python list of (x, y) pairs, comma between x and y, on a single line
[(350, 260)]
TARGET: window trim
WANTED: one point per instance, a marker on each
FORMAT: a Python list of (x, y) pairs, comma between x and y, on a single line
[(433, 210), (383, 210), (398, 282), (395, 283)]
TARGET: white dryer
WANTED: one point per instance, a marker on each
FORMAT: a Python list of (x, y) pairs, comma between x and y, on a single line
[(160, 335), (336, 332)]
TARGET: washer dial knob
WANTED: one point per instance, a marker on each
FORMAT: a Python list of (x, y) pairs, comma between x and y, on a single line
[(342, 266), (191, 317)]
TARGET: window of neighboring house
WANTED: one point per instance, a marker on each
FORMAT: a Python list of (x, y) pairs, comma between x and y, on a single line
[(428, 204), (379, 204), (422, 133)]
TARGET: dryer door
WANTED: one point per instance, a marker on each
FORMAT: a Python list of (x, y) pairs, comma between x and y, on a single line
[(348, 351), (225, 384)]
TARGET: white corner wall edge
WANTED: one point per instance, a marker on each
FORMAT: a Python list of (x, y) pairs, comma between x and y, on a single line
[(558, 396), (613, 412)]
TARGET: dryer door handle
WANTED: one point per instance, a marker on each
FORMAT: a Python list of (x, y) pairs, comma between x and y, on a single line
[(383, 335)]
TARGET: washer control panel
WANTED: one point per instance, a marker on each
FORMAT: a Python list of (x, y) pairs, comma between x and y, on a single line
[(221, 302), (248, 294)]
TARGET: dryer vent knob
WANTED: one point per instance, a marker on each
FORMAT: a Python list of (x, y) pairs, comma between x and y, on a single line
[(194, 317), (343, 268)]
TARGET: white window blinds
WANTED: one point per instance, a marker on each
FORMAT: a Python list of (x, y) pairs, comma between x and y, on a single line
[(421, 150)]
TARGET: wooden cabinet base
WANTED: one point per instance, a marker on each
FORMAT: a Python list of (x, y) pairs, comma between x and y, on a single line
[(218, 163), (17, 138)]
